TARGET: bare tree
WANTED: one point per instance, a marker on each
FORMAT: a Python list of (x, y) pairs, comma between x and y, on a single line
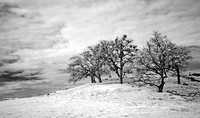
[(155, 57), (89, 63), (93, 57), (118, 54), (179, 60), (79, 69)]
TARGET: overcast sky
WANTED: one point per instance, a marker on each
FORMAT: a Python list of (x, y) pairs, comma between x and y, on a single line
[(42, 34)]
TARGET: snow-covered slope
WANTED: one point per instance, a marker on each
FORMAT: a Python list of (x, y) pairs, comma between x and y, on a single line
[(101, 101)]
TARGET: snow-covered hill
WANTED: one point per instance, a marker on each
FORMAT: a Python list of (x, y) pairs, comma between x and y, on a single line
[(101, 101)]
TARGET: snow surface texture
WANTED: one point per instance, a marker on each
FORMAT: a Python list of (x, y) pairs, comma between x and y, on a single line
[(101, 101)]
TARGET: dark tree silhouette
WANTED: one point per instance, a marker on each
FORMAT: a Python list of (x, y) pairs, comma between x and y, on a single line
[(118, 54), (155, 57), (93, 57), (179, 60), (79, 69), (89, 63)]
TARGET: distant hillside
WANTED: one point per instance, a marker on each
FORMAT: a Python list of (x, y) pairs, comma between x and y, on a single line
[(195, 53)]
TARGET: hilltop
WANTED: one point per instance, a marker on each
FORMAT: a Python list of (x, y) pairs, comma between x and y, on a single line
[(103, 101)]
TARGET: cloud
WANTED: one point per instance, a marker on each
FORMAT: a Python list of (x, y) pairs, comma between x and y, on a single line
[(44, 33), (20, 75)]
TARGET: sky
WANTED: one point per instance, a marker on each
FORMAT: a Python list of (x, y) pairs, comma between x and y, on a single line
[(40, 35)]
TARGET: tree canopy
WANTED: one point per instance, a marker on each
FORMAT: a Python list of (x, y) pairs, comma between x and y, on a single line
[(121, 55), (179, 59), (118, 54), (88, 64), (155, 57)]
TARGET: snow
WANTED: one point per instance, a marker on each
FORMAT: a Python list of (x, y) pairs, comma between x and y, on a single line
[(101, 101)]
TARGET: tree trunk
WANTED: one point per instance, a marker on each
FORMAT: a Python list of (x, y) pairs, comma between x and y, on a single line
[(93, 79), (121, 76), (100, 81), (121, 80), (99, 78), (178, 74), (160, 87), (121, 55)]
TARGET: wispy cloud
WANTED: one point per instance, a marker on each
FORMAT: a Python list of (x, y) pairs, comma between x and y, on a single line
[(43, 33)]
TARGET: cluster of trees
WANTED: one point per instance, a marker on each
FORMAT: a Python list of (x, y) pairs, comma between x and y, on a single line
[(121, 56)]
